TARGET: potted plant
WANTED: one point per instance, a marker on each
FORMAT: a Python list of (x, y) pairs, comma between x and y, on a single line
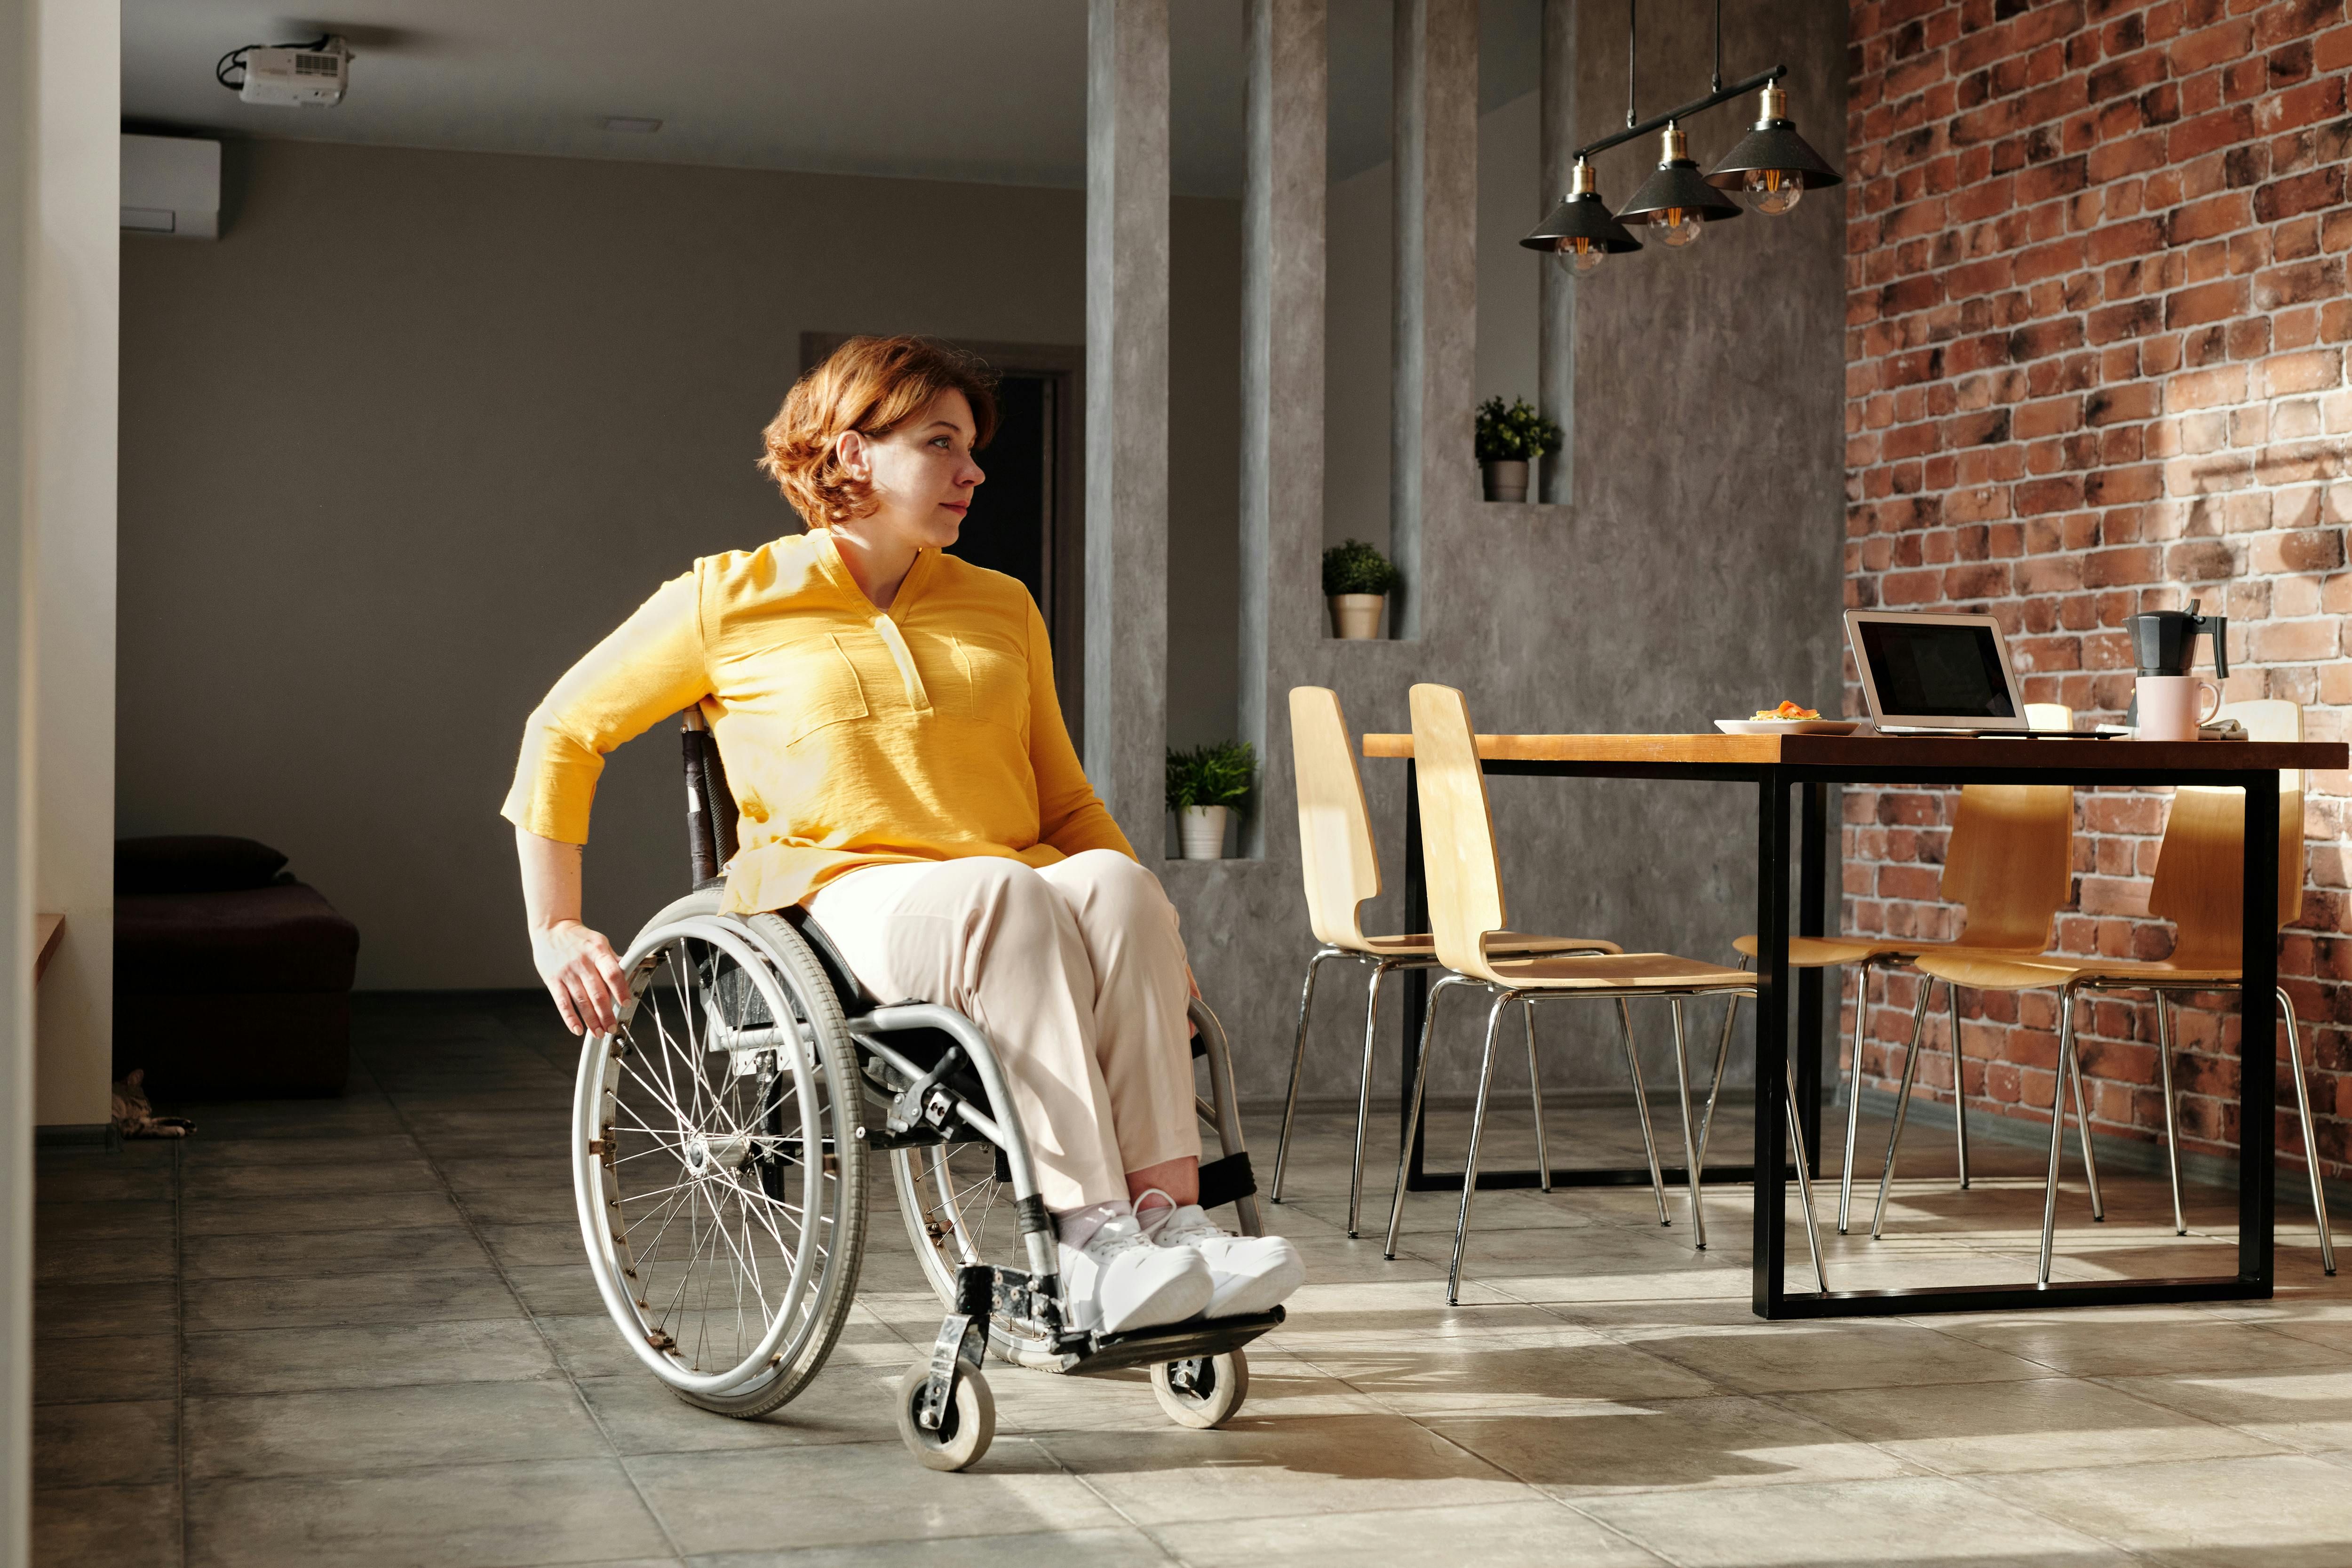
[(1356, 581), (1205, 785), (1508, 440)]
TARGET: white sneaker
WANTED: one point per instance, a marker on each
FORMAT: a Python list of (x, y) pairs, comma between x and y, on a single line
[(1119, 1281), (1250, 1273)]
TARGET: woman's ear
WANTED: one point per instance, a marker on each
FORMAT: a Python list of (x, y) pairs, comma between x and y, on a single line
[(853, 453)]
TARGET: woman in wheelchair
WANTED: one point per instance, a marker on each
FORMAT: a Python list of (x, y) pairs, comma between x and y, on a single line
[(886, 716)]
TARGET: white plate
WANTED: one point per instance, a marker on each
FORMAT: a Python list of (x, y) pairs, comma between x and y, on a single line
[(1787, 726)]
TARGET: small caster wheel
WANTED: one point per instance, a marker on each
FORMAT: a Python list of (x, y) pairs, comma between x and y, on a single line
[(1205, 1392), (966, 1428)]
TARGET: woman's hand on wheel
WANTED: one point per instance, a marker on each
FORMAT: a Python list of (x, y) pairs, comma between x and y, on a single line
[(581, 974)]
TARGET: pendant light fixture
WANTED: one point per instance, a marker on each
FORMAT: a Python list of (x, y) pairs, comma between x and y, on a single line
[(1580, 233), (1676, 199), (1773, 164)]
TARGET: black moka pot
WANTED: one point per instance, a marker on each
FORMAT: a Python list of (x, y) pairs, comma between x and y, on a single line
[(2164, 642)]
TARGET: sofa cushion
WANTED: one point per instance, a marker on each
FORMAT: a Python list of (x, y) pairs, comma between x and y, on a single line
[(283, 937), (194, 863)]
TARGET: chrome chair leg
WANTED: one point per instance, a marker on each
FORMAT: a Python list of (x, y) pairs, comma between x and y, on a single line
[(1364, 1094), (1901, 1102), (1959, 1082), (1804, 1184), (1412, 1117), (2171, 1125), (2090, 1155), (1853, 1093), (1535, 1091), (1690, 1144), (2310, 1148), (1297, 1062), (2057, 1129), (1715, 1086), (1470, 1164), (1641, 1104)]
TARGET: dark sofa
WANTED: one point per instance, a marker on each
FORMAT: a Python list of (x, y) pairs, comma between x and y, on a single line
[(232, 980)]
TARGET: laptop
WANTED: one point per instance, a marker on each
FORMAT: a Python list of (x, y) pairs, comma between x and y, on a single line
[(1935, 675)]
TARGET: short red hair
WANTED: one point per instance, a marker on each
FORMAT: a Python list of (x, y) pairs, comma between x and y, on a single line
[(871, 385)]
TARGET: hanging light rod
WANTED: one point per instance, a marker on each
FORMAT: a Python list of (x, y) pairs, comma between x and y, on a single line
[(1721, 95)]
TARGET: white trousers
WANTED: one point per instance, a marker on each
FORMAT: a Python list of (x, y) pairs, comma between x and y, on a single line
[(1077, 974)]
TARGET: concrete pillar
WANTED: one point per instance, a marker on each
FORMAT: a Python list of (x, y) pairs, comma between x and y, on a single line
[(1433, 476), (17, 143), (1287, 90), (72, 352), (1127, 413), (1556, 294)]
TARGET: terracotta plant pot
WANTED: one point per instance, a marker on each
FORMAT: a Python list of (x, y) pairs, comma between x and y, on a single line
[(1505, 480), (1356, 617), (1202, 830)]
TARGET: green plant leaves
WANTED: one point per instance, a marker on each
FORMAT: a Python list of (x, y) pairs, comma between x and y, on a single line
[(1355, 567), (1516, 433), (1221, 774)]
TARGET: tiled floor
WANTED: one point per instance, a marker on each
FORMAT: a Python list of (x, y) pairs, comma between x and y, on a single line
[(359, 1333)]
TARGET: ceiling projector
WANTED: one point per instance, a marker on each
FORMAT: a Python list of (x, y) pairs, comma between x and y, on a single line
[(305, 76)]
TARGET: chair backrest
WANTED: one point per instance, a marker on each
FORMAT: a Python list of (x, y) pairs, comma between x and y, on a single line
[(1457, 831), (2009, 861), (2198, 885), (710, 812), (1335, 831)]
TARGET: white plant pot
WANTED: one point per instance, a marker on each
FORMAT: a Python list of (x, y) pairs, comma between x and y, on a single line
[(1202, 831), (1356, 617), (1505, 480)]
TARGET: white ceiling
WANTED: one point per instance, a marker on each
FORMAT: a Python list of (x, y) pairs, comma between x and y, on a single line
[(990, 91)]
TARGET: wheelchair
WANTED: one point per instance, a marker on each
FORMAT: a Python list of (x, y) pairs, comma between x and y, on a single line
[(719, 1145)]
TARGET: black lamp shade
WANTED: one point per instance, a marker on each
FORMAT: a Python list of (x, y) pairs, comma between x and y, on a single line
[(1772, 145), (1679, 183), (1581, 215)]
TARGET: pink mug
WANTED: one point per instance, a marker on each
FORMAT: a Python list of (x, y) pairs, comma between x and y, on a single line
[(2170, 709)]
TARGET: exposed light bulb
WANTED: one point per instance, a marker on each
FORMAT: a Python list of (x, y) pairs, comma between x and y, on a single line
[(1774, 190), (1579, 255), (1679, 227)]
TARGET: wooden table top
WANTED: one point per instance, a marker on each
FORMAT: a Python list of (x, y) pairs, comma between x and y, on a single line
[(1891, 750)]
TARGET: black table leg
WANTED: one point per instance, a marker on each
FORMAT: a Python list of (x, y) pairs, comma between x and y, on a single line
[(1772, 1230), (1811, 894), (2258, 1038), (1416, 981)]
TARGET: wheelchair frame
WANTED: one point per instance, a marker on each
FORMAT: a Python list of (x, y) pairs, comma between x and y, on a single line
[(1199, 1374)]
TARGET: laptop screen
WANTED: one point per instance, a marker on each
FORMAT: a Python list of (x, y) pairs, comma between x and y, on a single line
[(1934, 670)]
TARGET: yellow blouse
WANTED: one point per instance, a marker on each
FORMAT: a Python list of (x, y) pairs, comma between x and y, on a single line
[(851, 736)]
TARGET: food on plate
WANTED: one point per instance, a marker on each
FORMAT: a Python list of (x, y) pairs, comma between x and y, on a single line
[(1788, 711)]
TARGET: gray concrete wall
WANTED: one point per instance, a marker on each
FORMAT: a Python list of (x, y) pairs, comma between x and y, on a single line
[(421, 426), (1695, 577)]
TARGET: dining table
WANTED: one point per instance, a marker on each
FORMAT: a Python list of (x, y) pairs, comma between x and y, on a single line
[(1803, 772)]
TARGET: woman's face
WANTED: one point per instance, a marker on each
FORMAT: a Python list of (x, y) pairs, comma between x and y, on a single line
[(921, 475)]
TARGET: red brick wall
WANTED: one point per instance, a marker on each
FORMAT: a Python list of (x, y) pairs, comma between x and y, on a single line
[(2097, 319)]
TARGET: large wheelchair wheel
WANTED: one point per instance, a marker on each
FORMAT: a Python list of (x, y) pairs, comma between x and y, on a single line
[(721, 1181)]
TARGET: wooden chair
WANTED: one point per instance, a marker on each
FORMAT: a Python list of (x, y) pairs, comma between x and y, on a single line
[(1467, 921), (2008, 865), (1342, 869), (2198, 887)]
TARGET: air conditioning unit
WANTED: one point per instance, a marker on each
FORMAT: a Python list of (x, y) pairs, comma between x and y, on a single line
[(170, 185)]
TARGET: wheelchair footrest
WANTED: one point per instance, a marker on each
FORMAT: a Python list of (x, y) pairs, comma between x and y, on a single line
[(1227, 1181), (1176, 1342)]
